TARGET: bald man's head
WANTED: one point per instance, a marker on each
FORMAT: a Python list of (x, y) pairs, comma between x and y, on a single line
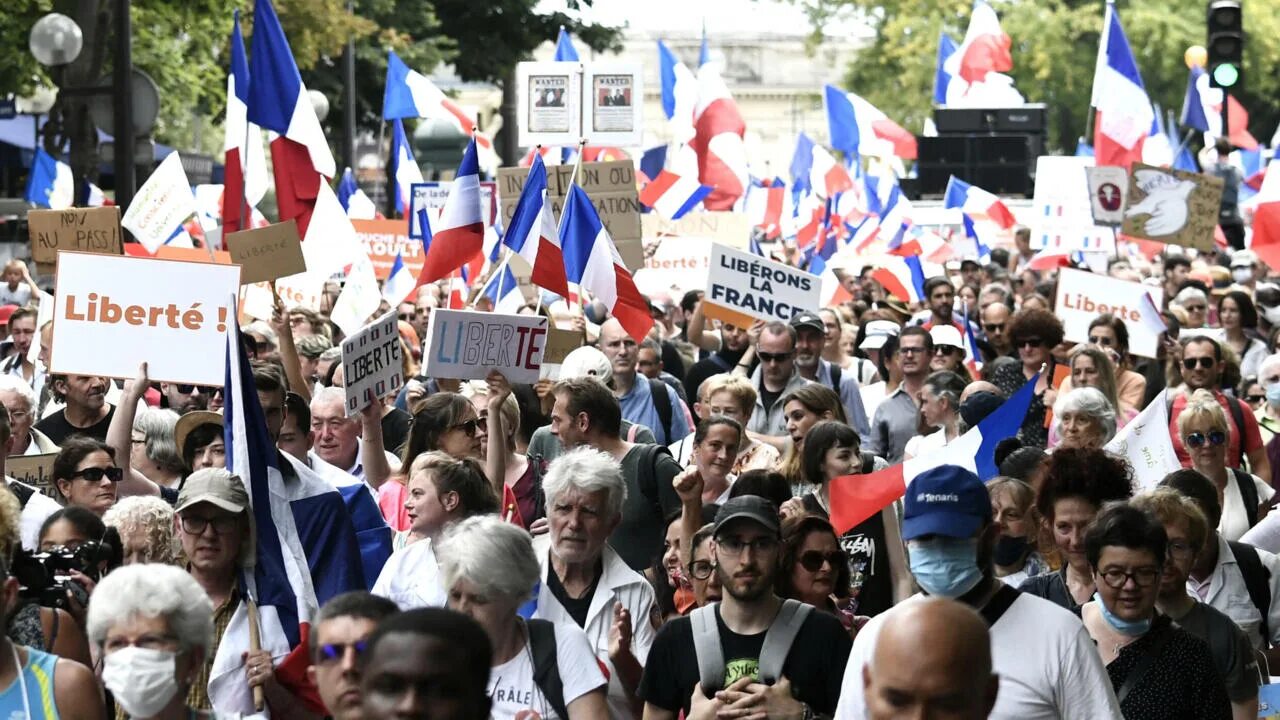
[(979, 386), (932, 661), (619, 347)]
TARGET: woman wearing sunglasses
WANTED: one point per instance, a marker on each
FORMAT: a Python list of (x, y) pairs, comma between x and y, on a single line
[(1157, 669), (814, 568), (445, 422), (1245, 498), (85, 474), (1034, 334)]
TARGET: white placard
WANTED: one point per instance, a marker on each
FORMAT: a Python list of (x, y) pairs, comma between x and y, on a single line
[(162, 204), (548, 103), (431, 196), (1108, 186), (613, 104), (1083, 296), (1145, 443), (742, 286), (372, 361), (466, 345), (112, 313), (1062, 213)]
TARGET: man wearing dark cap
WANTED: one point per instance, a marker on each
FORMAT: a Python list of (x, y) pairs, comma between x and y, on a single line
[(731, 669), (1045, 659), (810, 337)]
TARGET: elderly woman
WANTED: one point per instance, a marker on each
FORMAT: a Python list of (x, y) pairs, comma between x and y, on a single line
[(1034, 333), (1083, 418), (1157, 669), (154, 453), (1204, 431), (1077, 483), (1013, 510), (1110, 335), (146, 526), (1194, 304), (489, 568), (939, 413), (153, 627)]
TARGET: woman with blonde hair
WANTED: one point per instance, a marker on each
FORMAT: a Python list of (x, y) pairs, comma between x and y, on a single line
[(145, 524), (1205, 433)]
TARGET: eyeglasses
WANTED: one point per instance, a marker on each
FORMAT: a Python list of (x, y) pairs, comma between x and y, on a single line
[(1255, 398), (767, 357), (334, 652), (701, 569), (736, 545), (1197, 440), (1100, 340), (470, 426), (993, 327), (814, 560), (912, 350), (95, 474), (1204, 362), (1031, 342), (196, 525), (1180, 550), (1142, 577)]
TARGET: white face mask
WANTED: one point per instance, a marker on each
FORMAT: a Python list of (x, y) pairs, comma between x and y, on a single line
[(142, 680), (1272, 314), (1242, 274)]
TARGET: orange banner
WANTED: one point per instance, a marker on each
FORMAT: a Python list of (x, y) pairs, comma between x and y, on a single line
[(382, 239)]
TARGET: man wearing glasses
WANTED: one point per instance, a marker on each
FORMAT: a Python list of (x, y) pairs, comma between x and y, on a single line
[(896, 417), (995, 318), (337, 642), (182, 398), (774, 377), (1202, 367)]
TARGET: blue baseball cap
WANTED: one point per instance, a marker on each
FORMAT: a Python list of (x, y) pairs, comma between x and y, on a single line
[(947, 500)]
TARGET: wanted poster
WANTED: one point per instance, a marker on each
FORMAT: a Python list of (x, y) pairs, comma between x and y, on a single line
[(613, 103), (611, 97), (548, 103)]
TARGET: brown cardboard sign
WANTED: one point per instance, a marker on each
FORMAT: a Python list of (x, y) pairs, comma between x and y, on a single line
[(559, 344), (1172, 206), (91, 230), (34, 470), (267, 253)]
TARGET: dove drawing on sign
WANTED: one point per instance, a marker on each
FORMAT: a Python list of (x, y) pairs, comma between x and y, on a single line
[(1166, 203)]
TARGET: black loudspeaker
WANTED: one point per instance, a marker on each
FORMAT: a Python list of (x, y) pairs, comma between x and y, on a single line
[(1026, 119), (1000, 164)]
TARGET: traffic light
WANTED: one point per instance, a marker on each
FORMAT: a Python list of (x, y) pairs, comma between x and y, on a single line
[(1226, 43)]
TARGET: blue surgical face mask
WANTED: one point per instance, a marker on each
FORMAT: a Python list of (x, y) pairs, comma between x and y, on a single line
[(1273, 393), (946, 567), (1132, 628)]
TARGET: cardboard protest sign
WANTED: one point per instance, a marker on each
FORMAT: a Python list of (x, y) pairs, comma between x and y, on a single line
[(169, 252), (90, 230), (1062, 212), (548, 102), (111, 313), (558, 345), (274, 251), (372, 361), (1108, 186), (431, 196), (678, 252), (383, 239), (742, 287), (611, 187), (466, 345), (161, 205), (1172, 206), (613, 104), (34, 470), (725, 227), (1083, 296)]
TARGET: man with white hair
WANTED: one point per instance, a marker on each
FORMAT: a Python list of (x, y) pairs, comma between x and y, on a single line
[(584, 581), (20, 399), (350, 444)]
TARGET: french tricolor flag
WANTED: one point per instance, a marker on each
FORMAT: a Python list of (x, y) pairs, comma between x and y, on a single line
[(458, 236), (503, 292), (593, 263), (1124, 113), (411, 94), (718, 130), (278, 101), (858, 128), (679, 93), (407, 173), (827, 176), (984, 50), (532, 232), (246, 162), (357, 205), (400, 282), (855, 498), (976, 203), (1202, 110), (50, 183), (902, 277), (671, 196), (942, 76), (458, 289), (765, 201)]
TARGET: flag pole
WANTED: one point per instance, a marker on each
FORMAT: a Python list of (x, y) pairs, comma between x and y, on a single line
[(577, 165)]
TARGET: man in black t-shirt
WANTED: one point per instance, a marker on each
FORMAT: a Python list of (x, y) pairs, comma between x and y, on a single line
[(745, 548), (86, 411)]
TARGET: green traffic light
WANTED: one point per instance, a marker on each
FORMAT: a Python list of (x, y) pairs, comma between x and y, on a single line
[(1226, 75)]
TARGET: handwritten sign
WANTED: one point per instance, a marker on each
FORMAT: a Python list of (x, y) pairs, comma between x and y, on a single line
[(1083, 296), (467, 345), (161, 205), (91, 230), (1172, 206), (742, 287), (34, 470), (372, 362), (274, 251), (112, 313)]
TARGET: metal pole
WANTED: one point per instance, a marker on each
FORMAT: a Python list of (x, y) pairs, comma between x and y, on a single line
[(349, 98), (126, 166), (1226, 129)]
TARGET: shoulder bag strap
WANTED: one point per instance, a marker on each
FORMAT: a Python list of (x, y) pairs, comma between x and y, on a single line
[(706, 647), (779, 638)]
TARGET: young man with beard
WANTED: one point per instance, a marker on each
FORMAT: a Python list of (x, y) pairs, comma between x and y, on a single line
[(86, 411), (745, 548)]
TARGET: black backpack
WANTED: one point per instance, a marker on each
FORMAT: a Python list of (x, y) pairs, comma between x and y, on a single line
[(1257, 580), (647, 474), (546, 666)]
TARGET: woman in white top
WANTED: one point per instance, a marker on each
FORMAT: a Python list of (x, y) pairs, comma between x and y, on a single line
[(1205, 431), (715, 449), (442, 491), (939, 412), (490, 569)]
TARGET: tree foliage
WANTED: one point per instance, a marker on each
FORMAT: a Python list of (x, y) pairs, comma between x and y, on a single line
[(1055, 45)]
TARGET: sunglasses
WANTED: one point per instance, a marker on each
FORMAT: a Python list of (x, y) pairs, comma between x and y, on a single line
[(334, 652), (95, 474), (993, 327), (188, 389), (814, 560), (1204, 362), (767, 357), (470, 426), (1255, 398), (946, 350), (1100, 340), (1198, 440), (1031, 342), (1195, 308)]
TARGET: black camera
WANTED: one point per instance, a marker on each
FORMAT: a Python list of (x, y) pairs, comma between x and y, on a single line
[(44, 577)]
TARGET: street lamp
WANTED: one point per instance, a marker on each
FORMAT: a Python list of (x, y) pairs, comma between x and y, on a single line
[(319, 103), (56, 40)]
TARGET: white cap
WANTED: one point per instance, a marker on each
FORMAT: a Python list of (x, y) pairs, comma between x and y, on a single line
[(946, 335), (587, 361), (1244, 258), (878, 331)]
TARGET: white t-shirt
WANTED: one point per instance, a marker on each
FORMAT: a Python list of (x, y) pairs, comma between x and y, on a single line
[(411, 578), (1234, 522), (513, 691), (36, 511), (1047, 663)]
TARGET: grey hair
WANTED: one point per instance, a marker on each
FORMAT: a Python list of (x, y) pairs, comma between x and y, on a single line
[(152, 591), (586, 470), (1267, 363), (157, 426), (329, 395), (1091, 402), (259, 327), (16, 384), (153, 518), (1189, 293), (997, 289), (332, 354), (491, 553)]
